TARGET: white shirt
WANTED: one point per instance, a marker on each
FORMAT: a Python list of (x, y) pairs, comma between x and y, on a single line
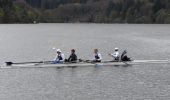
[(115, 54), (100, 56), (62, 55)]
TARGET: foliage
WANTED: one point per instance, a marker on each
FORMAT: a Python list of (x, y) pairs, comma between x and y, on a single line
[(97, 11)]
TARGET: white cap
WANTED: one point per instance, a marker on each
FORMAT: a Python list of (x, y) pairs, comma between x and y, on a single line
[(58, 50), (116, 48)]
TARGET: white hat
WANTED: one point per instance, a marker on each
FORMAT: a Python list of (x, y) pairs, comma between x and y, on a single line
[(58, 50), (116, 48)]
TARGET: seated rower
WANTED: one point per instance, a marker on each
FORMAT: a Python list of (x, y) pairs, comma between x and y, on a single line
[(124, 56), (59, 57), (73, 57), (97, 56), (115, 55)]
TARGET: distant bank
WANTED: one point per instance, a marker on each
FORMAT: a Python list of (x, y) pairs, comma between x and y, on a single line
[(85, 11)]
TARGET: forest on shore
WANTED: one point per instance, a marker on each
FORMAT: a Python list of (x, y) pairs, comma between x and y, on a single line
[(85, 11)]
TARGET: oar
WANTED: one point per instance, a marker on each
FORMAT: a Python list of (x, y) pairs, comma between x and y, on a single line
[(82, 60), (11, 63), (88, 61), (109, 61)]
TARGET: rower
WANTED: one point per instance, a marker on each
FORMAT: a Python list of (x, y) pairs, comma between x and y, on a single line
[(124, 56), (115, 55), (73, 57), (59, 57), (97, 56)]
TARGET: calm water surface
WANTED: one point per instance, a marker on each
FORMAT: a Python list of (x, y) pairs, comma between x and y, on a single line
[(34, 42)]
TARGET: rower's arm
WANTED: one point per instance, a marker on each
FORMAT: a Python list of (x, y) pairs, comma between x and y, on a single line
[(56, 58), (115, 54), (63, 57)]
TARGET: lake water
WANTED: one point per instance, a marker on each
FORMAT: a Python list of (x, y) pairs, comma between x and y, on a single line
[(34, 42)]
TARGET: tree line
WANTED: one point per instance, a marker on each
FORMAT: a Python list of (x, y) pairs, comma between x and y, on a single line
[(92, 11)]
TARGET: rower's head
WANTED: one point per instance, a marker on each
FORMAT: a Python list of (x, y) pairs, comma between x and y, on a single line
[(96, 50), (116, 49), (73, 50), (58, 51)]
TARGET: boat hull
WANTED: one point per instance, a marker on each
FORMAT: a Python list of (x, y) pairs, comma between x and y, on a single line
[(82, 64)]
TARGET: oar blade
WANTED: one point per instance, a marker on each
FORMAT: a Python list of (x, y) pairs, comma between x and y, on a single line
[(9, 63)]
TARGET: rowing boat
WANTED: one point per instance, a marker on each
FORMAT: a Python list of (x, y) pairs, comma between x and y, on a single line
[(83, 64)]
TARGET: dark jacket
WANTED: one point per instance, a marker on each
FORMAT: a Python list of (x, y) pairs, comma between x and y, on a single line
[(124, 57), (73, 57)]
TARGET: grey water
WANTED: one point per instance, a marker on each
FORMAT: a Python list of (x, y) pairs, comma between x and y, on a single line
[(34, 42)]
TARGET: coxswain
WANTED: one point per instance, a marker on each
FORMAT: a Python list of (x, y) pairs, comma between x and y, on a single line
[(59, 57), (97, 56), (124, 56), (115, 55)]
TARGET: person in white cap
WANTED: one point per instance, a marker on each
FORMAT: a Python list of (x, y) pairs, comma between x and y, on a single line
[(59, 57), (115, 55)]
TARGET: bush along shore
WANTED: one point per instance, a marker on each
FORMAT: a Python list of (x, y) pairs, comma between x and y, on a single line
[(85, 11)]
